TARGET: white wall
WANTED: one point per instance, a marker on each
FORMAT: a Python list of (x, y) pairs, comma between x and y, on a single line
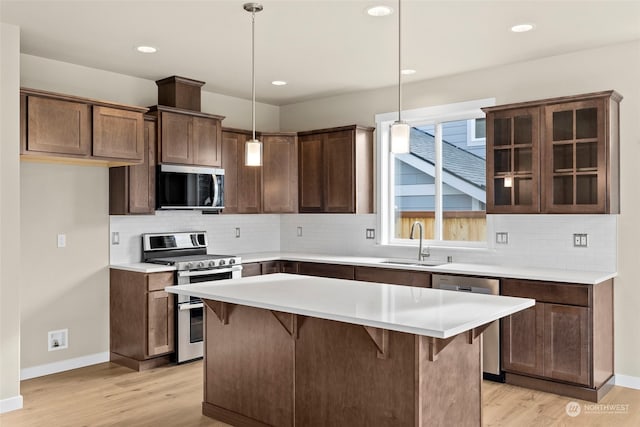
[(9, 219), (70, 289), (612, 67)]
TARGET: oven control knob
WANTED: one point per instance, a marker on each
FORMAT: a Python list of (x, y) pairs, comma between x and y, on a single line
[(201, 264), (212, 263), (232, 261), (222, 262), (189, 266)]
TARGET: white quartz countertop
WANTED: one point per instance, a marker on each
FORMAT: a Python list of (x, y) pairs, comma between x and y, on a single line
[(143, 267), (422, 311), (584, 277)]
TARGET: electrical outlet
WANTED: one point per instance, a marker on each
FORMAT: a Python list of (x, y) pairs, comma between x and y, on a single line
[(237, 232), (115, 238), (502, 237), (58, 340), (370, 233), (580, 240), (62, 240), (299, 232)]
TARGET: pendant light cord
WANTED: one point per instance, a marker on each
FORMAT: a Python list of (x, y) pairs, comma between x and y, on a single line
[(253, 73), (399, 61)]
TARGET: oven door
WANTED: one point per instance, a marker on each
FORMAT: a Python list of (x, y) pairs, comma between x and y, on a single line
[(190, 312)]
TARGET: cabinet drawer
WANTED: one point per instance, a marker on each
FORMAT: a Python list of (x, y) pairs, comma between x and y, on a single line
[(393, 276), (159, 281), (557, 293)]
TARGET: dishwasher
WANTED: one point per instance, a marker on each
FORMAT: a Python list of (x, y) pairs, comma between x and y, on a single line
[(491, 336)]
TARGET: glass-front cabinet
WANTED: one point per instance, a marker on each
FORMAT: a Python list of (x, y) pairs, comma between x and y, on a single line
[(513, 159), (554, 156)]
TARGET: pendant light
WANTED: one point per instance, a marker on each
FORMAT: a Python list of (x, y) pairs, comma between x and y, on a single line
[(253, 148), (400, 131)]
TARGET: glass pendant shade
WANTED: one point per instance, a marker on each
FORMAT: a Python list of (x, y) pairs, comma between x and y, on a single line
[(400, 133), (253, 153)]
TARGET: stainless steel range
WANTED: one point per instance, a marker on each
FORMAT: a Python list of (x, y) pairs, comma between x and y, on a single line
[(187, 251)]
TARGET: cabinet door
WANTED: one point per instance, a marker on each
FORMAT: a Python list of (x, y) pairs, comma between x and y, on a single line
[(567, 346), (249, 184), (230, 162), (393, 276), (160, 323), (339, 173), (290, 267), (206, 135), (118, 134), (310, 174), (513, 169), (270, 267), (280, 174), (574, 167), (522, 341), (60, 127), (335, 271), (175, 136), (142, 185)]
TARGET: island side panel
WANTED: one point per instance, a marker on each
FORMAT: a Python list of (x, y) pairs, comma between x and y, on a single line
[(449, 386), (249, 367), (341, 381)]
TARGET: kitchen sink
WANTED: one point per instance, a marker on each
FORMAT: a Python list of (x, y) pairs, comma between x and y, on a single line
[(413, 263)]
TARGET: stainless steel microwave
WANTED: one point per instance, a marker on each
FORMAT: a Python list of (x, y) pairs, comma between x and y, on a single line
[(189, 187)]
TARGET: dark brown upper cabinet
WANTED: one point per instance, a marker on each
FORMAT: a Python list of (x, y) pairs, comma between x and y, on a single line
[(242, 193), (188, 137), (132, 188), (79, 129), (556, 155), (279, 172), (335, 170)]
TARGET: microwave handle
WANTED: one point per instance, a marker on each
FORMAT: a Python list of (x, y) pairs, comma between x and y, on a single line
[(216, 189)]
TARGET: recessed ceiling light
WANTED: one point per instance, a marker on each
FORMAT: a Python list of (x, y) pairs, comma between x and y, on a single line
[(522, 28), (278, 83), (408, 72), (146, 49), (380, 10)]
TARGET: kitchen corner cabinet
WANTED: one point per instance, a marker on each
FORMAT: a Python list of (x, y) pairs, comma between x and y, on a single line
[(564, 344), (188, 137), (63, 127), (556, 155), (335, 170), (279, 172), (132, 188), (141, 319), (242, 183)]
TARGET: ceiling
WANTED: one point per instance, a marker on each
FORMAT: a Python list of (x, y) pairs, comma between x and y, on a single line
[(320, 48)]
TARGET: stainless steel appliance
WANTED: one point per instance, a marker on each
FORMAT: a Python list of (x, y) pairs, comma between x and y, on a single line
[(491, 336), (190, 187), (187, 252)]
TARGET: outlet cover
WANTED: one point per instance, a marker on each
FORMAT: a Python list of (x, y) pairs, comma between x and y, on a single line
[(299, 232), (115, 238), (580, 240), (62, 240), (58, 340), (370, 233), (237, 232), (502, 237)]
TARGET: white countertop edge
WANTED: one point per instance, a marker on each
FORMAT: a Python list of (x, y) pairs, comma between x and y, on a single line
[(143, 267), (447, 333), (486, 270)]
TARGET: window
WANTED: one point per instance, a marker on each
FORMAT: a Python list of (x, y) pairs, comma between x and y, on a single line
[(441, 183)]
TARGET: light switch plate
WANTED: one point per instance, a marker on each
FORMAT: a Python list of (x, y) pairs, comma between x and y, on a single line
[(62, 240), (299, 232), (115, 238), (370, 233), (237, 232)]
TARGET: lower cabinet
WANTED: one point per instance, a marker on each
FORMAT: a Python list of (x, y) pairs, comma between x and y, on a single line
[(564, 344), (141, 319), (393, 276), (259, 268), (334, 271)]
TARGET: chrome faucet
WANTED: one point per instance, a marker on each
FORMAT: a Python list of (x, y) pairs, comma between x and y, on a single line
[(421, 254)]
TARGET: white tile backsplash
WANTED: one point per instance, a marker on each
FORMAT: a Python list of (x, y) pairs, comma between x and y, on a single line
[(534, 240)]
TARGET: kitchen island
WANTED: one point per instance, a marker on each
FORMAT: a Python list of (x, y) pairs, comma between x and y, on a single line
[(289, 350)]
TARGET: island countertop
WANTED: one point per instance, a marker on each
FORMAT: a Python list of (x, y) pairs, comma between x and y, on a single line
[(422, 311)]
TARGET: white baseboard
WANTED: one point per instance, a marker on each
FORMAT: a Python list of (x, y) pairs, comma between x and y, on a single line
[(63, 365), (628, 381), (10, 404)]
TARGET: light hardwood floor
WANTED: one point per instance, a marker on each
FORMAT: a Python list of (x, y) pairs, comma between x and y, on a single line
[(108, 395)]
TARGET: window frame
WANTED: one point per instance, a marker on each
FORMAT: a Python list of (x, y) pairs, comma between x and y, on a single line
[(472, 139), (385, 166)]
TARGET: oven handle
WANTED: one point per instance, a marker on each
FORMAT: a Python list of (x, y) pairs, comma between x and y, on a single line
[(184, 307), (209, 272)]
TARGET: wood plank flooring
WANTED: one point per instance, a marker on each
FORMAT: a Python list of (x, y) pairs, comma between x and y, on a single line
[(109, 395)]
